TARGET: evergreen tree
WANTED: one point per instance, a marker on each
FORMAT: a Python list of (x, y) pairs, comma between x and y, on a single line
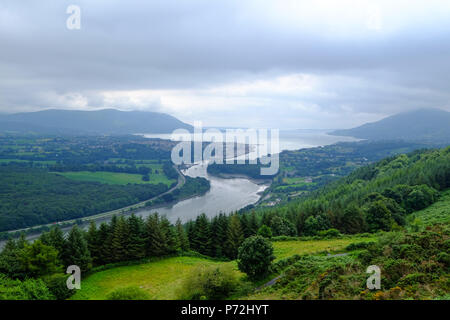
[(253, 224), (245, 225), (94, 244), (136, 243), (201, 235), (10, 260), (77, 251), (235, 236), (170, 236), (182, 236), (39, 259), (219, 233), (119, 242), (154, 236), (104, 239), (55, 238), (107, 245)]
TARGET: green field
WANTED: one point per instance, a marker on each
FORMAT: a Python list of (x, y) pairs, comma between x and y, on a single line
[(296, 185), (439, 212), (115, 177), (293, 180), (162, 278), (284, 249)]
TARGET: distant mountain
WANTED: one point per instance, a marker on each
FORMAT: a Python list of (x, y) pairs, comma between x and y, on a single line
[(107, 121), (424, 125)]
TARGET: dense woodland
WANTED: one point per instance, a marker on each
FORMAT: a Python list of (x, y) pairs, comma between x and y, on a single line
[(32, 196)]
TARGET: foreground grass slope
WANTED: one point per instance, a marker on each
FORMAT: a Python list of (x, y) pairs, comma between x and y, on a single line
[(414, 264), (162, 279)]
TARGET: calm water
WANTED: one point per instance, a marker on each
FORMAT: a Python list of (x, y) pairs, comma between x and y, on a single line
[(225, 195)]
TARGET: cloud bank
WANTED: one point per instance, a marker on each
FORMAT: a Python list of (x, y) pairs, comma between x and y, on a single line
[(279, 64)]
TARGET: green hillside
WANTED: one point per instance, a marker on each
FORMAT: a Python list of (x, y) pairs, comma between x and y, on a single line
[(437, 213)]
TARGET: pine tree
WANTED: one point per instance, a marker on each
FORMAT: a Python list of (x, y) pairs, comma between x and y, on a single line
[(77, 251), (190, 226), (39, 259), (136, 243), (235, 236), (201, 235), (119, 242), (245, 225), (10, 260), (104, 239), (55, 238), (182, 236), (219, 233), (107, 235), (170, 236), (253, 224), (94, 245), (154, 237)]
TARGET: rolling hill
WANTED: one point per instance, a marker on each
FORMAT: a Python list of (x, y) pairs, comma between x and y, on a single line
[(106, 121), (424, 125)]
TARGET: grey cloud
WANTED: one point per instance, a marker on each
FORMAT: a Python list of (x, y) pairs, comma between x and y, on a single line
[(192, 45)]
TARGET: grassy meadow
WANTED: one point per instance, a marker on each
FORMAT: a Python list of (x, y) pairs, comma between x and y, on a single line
[(116, 177), (160, 279), (285, 249)]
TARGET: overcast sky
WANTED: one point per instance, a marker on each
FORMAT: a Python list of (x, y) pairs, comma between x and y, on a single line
[(280, 64)]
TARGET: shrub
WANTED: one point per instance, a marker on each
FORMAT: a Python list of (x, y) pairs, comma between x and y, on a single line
[(128, 293), (359, 245), (330, 233), (444, 258), (211, 283), (282, 227), (282, 264), (57, 284), (30, 289), (412, 279)]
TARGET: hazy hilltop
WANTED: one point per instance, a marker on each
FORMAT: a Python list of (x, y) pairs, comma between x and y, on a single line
[(107, 121), (425, 125)]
